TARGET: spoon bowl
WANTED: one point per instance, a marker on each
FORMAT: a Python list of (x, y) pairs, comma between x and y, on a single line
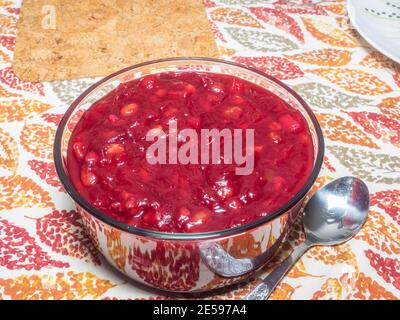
[(333, 215), (336, 212)]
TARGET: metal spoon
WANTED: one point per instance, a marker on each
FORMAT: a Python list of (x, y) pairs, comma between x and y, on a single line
[(332, 216)]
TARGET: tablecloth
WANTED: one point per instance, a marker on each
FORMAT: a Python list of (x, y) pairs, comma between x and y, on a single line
[(353, 89)]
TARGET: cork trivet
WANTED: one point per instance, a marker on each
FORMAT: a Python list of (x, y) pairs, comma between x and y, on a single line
[(66, 39)]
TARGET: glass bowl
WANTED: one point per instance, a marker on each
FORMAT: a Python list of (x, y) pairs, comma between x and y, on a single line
[(186, 262)]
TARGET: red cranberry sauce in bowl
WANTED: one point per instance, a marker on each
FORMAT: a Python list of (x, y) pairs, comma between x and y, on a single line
[(107, 163)]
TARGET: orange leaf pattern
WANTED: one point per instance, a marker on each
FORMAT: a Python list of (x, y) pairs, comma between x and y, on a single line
[(339, 129), (353, 80), (8, 152), (329, 34), (116, 250), (354, 90), (283, 292), (323, 57), (17, 191), (8, 24), (347, 287), (378, 61), (391, 107), (59, 286), (15, 110), (380, 234), (338, 8), (334, 254), (7, 94), (234, 16), (38, 140)]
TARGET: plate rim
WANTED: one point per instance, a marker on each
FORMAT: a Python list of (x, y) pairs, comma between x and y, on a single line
[(353, 19)]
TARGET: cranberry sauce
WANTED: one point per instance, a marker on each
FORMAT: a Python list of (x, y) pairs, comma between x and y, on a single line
[(107, 153)]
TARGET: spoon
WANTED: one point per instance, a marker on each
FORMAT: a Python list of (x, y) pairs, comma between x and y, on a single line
[(332, 216)]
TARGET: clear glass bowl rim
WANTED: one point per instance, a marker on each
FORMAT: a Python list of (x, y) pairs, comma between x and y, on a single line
[(70, 189)]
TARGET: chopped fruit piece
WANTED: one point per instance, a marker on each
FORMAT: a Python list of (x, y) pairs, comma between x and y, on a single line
[(108, 166), (148, 82), (114, 149), (116, 206), (269, 174), (184, 212), (125, 195), (290, 124), (177, 94), (79, 150), (88, 178), (190, 89), (217, 88), (130, 203), (274, 126), (278, 182), (170, 111), (234, 204), (304, 139), (155, 131), (199, 217), (161, 93), (113, 118), (214, 99), (150, 217), (275, 137), (91, 158), (144, 174), (236, 99), (129, 109), (233, 112)]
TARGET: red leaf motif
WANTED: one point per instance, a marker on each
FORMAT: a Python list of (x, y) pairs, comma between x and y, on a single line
[(379, 125), (173, 266), (389, 201), (217, 32), (15, 11), (64, 233), (18, 250), (47, 172), (316, 10), (8, 42), (280, 20), (52, 118), (328, 165), (387, 268), (8, 77), (396, 78), (209, 3), (280, 68)]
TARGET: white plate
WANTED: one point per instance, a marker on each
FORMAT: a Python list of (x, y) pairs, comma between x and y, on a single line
[(378, 22)]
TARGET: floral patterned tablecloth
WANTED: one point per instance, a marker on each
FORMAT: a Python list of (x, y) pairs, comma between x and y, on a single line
[(353, 89)]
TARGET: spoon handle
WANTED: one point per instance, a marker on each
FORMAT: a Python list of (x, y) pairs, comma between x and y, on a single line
[(264, 289)]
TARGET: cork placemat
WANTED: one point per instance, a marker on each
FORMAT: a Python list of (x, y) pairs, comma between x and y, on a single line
[(67, 39)]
